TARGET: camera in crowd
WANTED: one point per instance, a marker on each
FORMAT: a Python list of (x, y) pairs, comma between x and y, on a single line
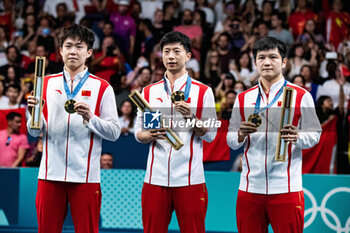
[(110, 51)]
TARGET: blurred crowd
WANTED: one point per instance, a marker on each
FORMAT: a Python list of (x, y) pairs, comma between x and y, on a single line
[(127, 51)]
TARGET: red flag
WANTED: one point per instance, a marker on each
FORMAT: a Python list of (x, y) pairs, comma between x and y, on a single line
[(318, 158), (85, 93), (337, 27), (3, 114), (345, 71), (218, 149)]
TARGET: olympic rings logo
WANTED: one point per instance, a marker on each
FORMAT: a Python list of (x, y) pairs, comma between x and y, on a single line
[(336, 226)]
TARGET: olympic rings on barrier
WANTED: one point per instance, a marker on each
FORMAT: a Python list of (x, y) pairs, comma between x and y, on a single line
[(337, 226)]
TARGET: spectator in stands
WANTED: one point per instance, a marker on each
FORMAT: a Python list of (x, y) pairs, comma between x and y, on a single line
[(125, 27), (242, 69), (3, 98), (298, 80), (109, 61), (13, 92), (310, 80), (332, 88), (237, 39), (107, 29), (239, 87), (209, 13), (338, 22), (212, 68), (12, 75), (50, 6), (296, 60), (194, 32), (127, 117), (28, 31), (157, 74), (169, 13), (159, 28), (226, 84), (4, 38), (225, 54), (298, 19), (266, 13), (278, 31), (13, 144), (51, 67), (34, 159), (226, 107), (149, 39), (324, 109), (149, 7), (14, 58), (143, 78), (120, 87), (310, 32), (106, 160)]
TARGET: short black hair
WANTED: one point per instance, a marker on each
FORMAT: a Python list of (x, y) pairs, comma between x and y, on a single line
[(76, 31), (269, 43), (176, 37), (14, 86), (230, 92), (12, 116)]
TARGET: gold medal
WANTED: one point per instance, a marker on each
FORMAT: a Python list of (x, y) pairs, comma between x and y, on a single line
[(177, 96), (69, 106), (255, 119)]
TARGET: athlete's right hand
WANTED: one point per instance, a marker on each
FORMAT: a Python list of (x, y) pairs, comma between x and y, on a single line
[(245, 129), (31, 102)]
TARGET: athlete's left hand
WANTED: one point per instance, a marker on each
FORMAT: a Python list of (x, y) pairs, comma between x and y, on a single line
[(183, 107), (289, 133), (83, 109)]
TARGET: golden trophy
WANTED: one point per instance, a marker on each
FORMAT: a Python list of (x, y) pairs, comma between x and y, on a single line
[(281, 148), (142, 104), (38, 92)]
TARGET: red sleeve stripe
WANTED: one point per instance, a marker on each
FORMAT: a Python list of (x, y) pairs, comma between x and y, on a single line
[(45, 113), (297, 114), (150, 172), (89, 157), (191, 157), (103, 87), (202, 89)]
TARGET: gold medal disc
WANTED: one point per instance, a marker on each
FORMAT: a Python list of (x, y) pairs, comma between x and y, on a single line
[(177, 96), (69, 106), (255, 119)]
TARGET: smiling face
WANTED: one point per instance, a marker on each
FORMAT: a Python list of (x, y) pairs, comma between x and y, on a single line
[(270, 64), (175, 57), (74, 53)]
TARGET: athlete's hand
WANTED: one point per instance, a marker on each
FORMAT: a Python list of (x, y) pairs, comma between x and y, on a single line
[(183, 108), (31, 102), (83, 109), (245, 129), (157, 134), (289, 133)]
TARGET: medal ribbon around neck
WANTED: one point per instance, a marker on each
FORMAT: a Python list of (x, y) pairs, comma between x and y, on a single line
[(257, 109), (187, 88), (71, 95)]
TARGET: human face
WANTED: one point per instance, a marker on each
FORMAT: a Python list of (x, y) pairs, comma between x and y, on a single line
[(158, 16), (327, 104), (230, 98), (12, 55), (15, 124), (175, 57), (244, 61), (107, 29), (214, 57), (298, 81), (126, 108), (306, 73), (106, 161), (187, 17), (270, 64), (223, 42), (11, 73), (12, 94), (310, 26), (275, 22), (74, 53), (299, 51), (1, 88)]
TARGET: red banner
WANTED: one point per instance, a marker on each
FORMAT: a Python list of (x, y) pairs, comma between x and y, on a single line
[(3, 121), (218, 149), (318, 158)]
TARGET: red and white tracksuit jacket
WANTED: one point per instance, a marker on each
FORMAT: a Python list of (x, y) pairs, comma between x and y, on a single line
[(166, 166), (260, 172), (72, 149)]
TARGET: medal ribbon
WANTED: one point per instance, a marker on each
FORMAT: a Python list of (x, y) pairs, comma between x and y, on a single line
[(257, 109), (187, 88), (71, 95)]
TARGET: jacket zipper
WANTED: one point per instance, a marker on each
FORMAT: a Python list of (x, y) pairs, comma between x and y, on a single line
[(267, 123)]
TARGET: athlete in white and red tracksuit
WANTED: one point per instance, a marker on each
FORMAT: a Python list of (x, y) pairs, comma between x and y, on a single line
[(175, 178), (270, 191), (70, 166)]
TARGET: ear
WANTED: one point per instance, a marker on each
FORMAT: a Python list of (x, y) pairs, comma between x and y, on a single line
[(90, 51), (61, 51), (188, 56), (254, 60), (284, 62)]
